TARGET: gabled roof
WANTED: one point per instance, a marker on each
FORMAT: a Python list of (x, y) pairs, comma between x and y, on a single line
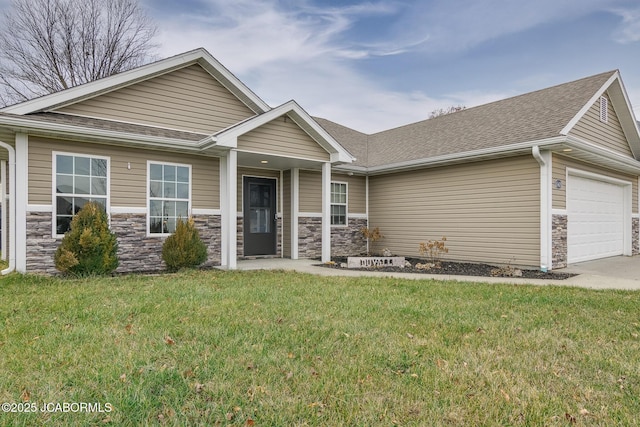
[(511, 125), (89, 90)]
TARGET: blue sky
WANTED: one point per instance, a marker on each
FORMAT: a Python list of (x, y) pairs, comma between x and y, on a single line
[(374, 65)]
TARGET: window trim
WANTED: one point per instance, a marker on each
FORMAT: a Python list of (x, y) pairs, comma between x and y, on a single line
[(54, 194), (345, 204), (148, 192)]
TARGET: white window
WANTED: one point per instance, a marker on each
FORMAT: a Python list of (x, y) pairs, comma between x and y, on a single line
[(338, 203), (604, 109), (78, 179), (169, 196)]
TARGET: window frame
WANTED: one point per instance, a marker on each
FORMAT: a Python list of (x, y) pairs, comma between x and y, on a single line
[(345, 204), (55, 194), (149, 198)]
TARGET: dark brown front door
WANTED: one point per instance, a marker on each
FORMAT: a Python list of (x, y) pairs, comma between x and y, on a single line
[(259, 207)]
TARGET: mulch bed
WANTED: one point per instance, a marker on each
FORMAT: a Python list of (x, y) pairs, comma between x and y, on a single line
[(455, 268)]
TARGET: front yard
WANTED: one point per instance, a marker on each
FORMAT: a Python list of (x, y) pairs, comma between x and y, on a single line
[(280, 348)]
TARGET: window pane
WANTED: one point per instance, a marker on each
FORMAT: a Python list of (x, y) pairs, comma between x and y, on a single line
[(170, 225), (169, 209), (155, 189), (64, 184), (99, 186), (100, 201), (64, 205), (63, 224), (82, 185), (82, 166), (155, 225), (64, 164), (182, 210), (170, 190), (155, 208), (183, 191), (99, 167), (183, 174), (78, 203), (169, 173), (155, 172)]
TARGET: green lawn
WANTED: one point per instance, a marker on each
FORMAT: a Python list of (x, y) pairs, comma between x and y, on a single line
[(281, 349)]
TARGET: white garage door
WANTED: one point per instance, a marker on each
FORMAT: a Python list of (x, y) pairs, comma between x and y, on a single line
[(595, 226)]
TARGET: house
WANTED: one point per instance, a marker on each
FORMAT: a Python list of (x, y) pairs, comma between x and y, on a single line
[(543, 179)]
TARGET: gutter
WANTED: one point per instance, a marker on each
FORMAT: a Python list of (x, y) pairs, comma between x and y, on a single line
[(535, 150)]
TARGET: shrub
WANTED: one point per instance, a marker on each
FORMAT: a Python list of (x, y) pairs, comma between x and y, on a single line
[(372, 235), (89, 247), (433, 250), (184, 248)]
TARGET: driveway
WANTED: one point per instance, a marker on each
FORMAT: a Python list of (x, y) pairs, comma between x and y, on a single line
[(621, 272)]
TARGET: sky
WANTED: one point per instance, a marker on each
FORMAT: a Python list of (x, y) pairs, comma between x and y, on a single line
[(375, 65)]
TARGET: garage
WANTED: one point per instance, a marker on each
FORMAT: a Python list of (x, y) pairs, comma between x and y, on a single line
[(599, 213)]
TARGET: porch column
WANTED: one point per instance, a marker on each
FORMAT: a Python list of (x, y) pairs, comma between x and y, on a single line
[(295, 209), (229, 209), (544, 160), (326, 212), (21, 197)]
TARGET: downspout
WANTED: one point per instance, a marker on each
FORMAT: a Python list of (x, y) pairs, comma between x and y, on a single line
[(12, 209), (545, 208)]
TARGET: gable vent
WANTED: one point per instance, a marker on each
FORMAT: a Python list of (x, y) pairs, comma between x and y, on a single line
[(604, 109)]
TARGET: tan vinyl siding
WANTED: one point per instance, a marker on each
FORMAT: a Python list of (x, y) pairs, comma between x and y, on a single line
[(128, 186), (286, 214), (356, 191), (187, 99), (311, 192), (260, 173), (560, 165), (280, 137), (609, 135), (489, 211), (310, 188)]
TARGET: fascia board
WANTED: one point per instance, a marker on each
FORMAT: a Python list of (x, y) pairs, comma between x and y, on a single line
[(565, 131), (579, 144)]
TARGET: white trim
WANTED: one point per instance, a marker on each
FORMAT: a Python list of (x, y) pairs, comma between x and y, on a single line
[(209, 212), (148, 183), (268, 153), (229, 137), (326, 212), (565, 131), (39, 208), (559, 212), (346, 204), (310, 214), (54, 194), (11, 209), (281, 211), (127, 210), (627, 242), (21, 199), (4, 205), (228, 204), (224, 212), (635, 215), (357, 216), (295, 212)]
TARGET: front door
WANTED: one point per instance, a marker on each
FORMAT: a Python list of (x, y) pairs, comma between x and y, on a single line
[(260, 221)]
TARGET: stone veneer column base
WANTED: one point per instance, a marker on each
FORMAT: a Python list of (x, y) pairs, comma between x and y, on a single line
[(559, 241), (345, 241), (635, 237), (136, 251)]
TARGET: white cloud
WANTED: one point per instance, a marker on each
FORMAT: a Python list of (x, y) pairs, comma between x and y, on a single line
[(629, 30)]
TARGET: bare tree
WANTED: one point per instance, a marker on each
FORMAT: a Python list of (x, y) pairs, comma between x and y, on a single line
[(443, 111), (50, 45)]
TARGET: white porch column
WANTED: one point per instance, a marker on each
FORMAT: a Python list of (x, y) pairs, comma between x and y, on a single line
[(3, 199), (546, 240), (21, 197), (229, 209), (326, 212), (295, 209)]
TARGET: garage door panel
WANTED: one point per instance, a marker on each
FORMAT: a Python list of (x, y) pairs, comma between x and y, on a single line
[(595, 219)]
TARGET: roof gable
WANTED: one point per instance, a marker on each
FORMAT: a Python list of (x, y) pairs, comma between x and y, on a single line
[(108, 84), (187, 99)]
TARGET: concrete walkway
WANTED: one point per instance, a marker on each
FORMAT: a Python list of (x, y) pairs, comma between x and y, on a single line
[(610, 273)]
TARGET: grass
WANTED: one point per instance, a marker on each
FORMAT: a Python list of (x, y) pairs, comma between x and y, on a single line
[(278, 348)]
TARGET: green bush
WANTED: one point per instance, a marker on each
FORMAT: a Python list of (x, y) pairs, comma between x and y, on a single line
[(89, 247), (184, 248)]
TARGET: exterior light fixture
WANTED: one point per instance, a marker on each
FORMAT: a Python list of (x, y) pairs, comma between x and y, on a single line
[(264, 162)]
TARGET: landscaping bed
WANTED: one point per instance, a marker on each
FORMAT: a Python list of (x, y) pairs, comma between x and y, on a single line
[(458, 269)]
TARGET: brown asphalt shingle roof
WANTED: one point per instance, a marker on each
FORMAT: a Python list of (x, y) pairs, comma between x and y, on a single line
[(529, 117)]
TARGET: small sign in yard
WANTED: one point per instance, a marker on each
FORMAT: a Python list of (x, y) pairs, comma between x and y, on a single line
[(380, 261)]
